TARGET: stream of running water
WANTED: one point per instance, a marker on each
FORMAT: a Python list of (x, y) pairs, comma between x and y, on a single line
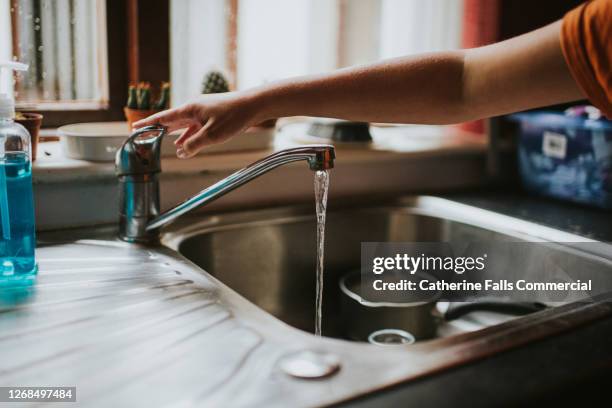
[(321, 185)]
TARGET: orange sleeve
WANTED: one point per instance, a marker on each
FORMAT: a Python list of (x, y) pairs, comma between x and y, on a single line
[(586, 39)]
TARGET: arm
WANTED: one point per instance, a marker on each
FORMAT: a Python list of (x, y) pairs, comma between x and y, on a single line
[(438, 88)]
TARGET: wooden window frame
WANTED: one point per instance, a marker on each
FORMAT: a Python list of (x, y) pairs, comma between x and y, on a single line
[(138, 38)]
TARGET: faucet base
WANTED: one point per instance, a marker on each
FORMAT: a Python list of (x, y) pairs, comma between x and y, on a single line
[(133, 230)]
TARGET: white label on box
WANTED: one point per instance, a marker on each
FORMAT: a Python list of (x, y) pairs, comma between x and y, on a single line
[(554, 145)]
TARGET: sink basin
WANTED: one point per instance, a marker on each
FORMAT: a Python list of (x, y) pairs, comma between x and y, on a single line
[(268, 256)]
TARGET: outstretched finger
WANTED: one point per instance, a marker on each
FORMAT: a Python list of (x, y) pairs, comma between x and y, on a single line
[(173, 119)]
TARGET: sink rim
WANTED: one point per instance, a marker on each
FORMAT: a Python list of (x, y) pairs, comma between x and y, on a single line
[(417, 204)]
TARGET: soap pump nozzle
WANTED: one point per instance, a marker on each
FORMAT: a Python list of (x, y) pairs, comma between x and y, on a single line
[(7, 101)]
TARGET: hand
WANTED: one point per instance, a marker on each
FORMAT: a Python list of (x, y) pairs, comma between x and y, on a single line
[(209, 119)]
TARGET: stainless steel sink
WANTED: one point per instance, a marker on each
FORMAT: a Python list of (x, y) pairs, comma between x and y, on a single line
[(143, 326), (268, 256)]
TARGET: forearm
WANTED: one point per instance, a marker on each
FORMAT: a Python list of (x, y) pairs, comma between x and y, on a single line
[(420, 89), (521, 73)]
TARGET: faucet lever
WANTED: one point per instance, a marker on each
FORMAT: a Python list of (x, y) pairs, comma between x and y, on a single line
[(141, 155)]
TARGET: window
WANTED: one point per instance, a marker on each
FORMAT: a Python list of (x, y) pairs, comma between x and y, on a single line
[(77, 52), (64, 43), (256, 41)]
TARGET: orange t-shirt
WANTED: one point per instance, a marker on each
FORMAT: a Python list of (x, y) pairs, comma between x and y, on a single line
[(586, 39)]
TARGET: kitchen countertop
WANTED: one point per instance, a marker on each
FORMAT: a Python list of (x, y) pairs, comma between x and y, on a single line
[(589, 222)]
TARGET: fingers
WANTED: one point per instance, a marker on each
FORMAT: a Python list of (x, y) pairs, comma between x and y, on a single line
[(192, 145), (187, 134), (173, 119)]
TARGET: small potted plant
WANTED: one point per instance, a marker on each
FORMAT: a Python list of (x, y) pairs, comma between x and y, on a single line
[(139, 104), (32, 122)]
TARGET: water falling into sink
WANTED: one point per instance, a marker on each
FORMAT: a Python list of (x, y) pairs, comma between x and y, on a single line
[(321, 185)]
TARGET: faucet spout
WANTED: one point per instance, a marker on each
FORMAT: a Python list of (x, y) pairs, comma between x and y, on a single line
[(319, 157), (323, 157), (138, 163)]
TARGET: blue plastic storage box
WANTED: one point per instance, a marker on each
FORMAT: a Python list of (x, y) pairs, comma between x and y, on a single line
[(566, 156)]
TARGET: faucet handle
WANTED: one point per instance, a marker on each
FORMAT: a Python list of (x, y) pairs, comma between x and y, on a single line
[(140, 155)]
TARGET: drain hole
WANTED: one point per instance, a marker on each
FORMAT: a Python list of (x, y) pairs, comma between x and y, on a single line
[(390, 337)]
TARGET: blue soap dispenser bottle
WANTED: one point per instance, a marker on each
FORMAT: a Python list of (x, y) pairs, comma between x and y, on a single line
[(17, 230)]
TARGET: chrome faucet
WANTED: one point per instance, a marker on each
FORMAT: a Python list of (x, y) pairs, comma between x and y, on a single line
[(138, 163)]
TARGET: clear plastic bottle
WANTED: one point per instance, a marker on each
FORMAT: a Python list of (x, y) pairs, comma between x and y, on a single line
[(17, 229)]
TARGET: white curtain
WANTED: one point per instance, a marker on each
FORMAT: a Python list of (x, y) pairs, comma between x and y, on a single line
[(415, 26), (198, 44), (360, 37), (285, 38)]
